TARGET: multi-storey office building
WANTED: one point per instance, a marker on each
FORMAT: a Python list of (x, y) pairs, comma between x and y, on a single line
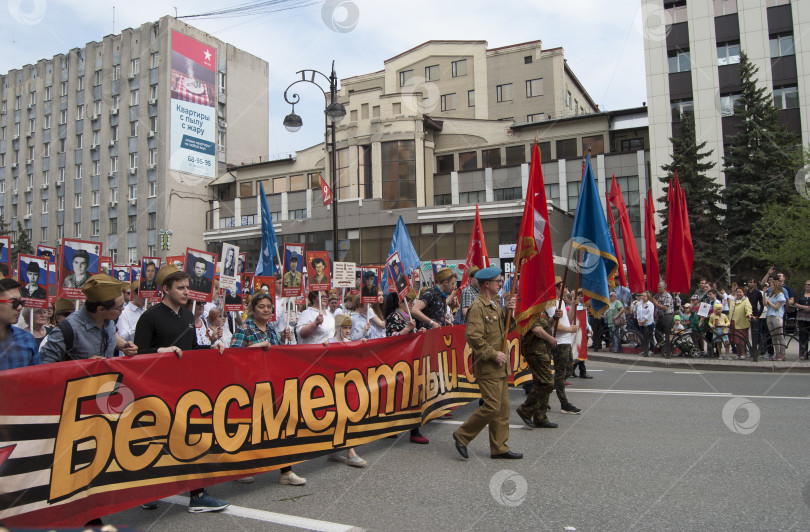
[(96, 143), (692, 53), (444, 126)]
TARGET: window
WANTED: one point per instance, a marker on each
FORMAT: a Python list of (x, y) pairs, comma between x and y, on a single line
[(153, 123), (79, 138), (133, 97), (116, 101), (728, 53), (222, 82), (515, 155), (576, 107), (64, 88), (476, 196), (113, 164), (781, 45), (113, 226), (29, 208), (280, 185), (47, 94), (445, 164), (468, 160), (567, 149), (632, 144), (459, 68), (298, 182), (60, 203), (47, 122), (504, 92), (250, 219), (786, 97), (18, 103), (60, 231), (679, 61), (527, 60), (448, 102), (152, 189), (32, 98), (724, 7), (44, 234), (114, 133), (536, 117), (154, 60), (405, 77), (61, 175), (471, 98), (153, 156), (95, 227), (133, 192), (432, 73), (297, 214), (491, 158), (135, 66), (97, 78), (77, 229), (398, 174), (675, 12), (80, 86), (730, 104), (596, 145), (133, 160), (568, 99), (96, 137), (225, 222), (114, 194), (116, 72), (132, 223), (534, 87), (246, 189), (132, 255), (63, 116), (133, 129), (553, 194), (96, 197), (151, 221), (508, 194), (78, 171), (153, 92), (679, 108), (78, 198), (96, 168), (573, 195), (46, 175), (443, 199)]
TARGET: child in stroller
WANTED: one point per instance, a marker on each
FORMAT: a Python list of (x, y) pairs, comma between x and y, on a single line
[(682, 339)]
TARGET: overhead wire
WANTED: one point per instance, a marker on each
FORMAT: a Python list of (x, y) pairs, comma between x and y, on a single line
[(262, 7)]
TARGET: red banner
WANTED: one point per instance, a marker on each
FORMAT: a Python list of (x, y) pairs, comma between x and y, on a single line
[(89, 438)]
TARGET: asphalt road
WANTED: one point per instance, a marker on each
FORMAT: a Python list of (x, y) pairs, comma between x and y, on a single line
[(654, 449)]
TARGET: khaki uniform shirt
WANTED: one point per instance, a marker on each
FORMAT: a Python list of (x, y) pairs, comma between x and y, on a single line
[(485, 332)]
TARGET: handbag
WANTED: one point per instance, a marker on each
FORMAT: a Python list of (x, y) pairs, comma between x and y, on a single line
[(619, 321)]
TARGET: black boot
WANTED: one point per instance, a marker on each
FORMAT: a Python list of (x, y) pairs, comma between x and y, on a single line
[(583, 373)]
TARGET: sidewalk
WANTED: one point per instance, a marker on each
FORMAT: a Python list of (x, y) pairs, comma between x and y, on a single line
[(792, 365)]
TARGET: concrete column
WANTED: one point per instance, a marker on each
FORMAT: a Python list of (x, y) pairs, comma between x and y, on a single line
[(563, 184), (237, 211), (309, 202), (215, 215), (524, 178), (489, 193), (454, 187), (642, 191), (285, 214), (600, 177), (376, 169)]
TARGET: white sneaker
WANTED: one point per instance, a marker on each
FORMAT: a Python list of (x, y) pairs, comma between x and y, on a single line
[(291, 479), (356, 461)]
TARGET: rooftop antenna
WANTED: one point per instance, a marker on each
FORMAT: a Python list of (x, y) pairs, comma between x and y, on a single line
[(175, 11), (113, 20)]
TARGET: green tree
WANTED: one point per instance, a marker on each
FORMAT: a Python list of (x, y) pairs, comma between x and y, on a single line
[(703, 201), (781, 237), (760, 165), (22, 245)]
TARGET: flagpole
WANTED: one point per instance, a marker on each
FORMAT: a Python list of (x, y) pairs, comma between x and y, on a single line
[(565, 276), (508, 311)]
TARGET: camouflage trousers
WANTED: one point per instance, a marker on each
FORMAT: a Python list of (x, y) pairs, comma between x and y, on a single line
[(536, 404)]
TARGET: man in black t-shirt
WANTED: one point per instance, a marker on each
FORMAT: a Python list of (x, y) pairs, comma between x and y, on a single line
[(169, 327)]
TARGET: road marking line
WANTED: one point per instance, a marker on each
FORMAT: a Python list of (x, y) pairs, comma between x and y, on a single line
[(595, 370), (687, 373), (273, 517), (724, 395), (638, 371)]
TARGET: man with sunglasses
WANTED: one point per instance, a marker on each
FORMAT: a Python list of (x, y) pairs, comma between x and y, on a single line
[(90, 332), (18, 348)]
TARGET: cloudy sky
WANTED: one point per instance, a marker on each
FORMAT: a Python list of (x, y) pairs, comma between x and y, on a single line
[(602, 40)]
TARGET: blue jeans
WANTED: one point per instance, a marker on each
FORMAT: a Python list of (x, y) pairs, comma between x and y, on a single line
[(615, 338)]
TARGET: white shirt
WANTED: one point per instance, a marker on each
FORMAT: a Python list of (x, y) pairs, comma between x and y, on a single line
[(563, 338), (359, 323), (324, 331), (645, 312), (281, 322), (128, 320)]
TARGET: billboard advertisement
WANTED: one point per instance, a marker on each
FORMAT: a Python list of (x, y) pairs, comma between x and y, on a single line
[(193, 106)]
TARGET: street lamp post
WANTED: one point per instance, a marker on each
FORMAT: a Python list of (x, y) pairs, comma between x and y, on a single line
[(333, 113)]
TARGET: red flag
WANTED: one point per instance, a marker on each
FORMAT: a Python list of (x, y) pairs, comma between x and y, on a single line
[(611, 224), (477, 250), (533, 256), (631, 256), (653, 269), (326, 191), (679, 256), (687, 231)]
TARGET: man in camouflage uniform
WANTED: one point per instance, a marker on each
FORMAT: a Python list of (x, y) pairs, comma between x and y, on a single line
[(536, 348), (486, 329)]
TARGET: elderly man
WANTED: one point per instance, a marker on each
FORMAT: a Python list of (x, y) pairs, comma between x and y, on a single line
[(90, 332), (486, 329), (664, 314)]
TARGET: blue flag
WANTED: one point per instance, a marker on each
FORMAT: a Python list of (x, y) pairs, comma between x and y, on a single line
[(268, 254), (592, 237), (401, 243)]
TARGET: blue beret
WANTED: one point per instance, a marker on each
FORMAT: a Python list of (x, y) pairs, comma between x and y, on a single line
[(487, 274)]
